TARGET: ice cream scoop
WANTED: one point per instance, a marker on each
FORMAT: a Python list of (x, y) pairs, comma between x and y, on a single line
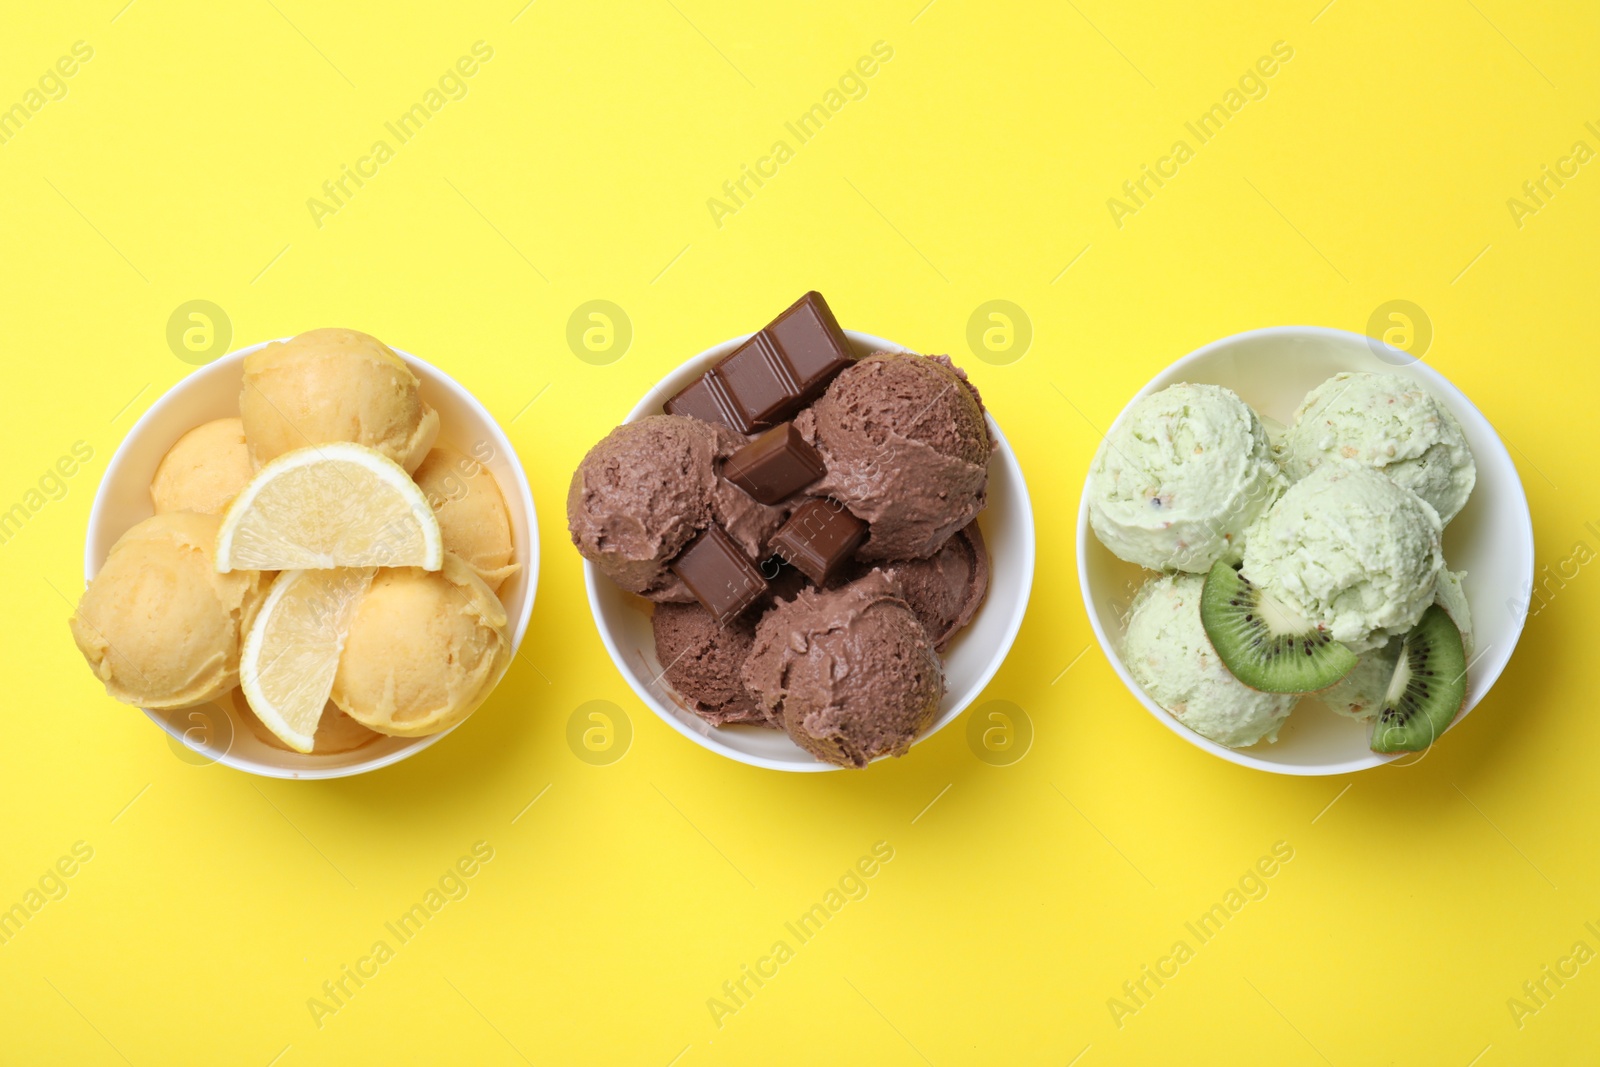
[(1180, 479), (334, 385), (1350, 550), (423, 649), (849, 672), (906, 448), (946, 589), (1451, 594), (1359, 694), (647, 489), (702, 659), (473, 522), (204, 470), (1390, 424), (1166, 649), (158, 625)]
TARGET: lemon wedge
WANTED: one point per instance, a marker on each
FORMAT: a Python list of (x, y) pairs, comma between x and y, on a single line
[(291, 653), (331, 505)]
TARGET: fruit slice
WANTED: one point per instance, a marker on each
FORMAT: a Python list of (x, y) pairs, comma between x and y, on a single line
[(333, 505), (337, 733), (1265, 645), (1428, 688), (292, 651)]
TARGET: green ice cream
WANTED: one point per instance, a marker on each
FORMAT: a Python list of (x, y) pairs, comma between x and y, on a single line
[(1452, 597), (1181, 477), (1350, 550), (1168, 653), (1388, 423), (1360, 693)]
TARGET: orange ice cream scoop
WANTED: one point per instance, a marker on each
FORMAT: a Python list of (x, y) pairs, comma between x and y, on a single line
[(158, 625), (334, 385), (423, 650), (473, 522), (204, 470)]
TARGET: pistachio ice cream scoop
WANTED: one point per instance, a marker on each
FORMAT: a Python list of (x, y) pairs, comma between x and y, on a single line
[(1168, 653), (1181, 477), (1360, 693), (1350, 550), (1390, 424)]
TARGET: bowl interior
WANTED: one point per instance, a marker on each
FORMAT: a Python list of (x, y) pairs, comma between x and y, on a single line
[(971, 660), (1492, 538), (212, 392)]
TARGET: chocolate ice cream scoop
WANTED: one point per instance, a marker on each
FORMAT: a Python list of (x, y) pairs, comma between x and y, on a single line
[(702, 658), (850, 672), (647, 489), (946, 589), (906, 448)]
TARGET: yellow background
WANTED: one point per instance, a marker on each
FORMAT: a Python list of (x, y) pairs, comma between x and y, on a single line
[(977, 167)]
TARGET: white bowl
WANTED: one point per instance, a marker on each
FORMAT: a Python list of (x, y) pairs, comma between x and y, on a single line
[(971, 660), (212, 392), (1492, 538)]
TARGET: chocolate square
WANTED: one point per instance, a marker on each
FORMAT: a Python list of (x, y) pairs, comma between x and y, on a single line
[(758, 381), (704, 399), (719, 574), (812, 343), (774, 374), (820, 538), (774, 466)]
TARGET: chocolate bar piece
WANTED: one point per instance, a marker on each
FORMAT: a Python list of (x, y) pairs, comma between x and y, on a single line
[(774, 466), (820, 538), (719, 574), (772, 375), (702, 399)]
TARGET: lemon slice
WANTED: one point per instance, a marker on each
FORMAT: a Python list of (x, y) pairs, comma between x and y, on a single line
[(333, 505), (292, 651)]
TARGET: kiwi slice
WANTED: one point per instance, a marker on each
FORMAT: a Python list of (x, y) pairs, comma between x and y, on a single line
[(1428, 688), (1265, 645)]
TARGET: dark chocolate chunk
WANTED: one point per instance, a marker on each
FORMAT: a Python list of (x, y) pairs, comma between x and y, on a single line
[(758, 381), (705, 400), (774, 466), (774, 374), (719, 574), (812, 343), (820, 538)]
